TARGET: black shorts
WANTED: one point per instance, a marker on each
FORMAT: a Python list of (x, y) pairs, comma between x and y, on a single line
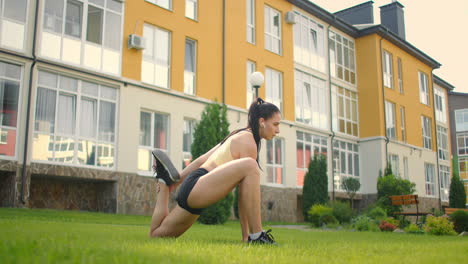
[(185, 189)]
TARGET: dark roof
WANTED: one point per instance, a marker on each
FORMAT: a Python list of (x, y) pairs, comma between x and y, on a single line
[(353, 31), (353, 7), (443, 83), (457, 93)]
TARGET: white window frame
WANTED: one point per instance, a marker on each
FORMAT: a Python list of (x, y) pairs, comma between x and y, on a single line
[(345, 101), (189, 126), (161, 3), (394, 161), (342, 58), (462, 149), (4, 20), (314, 143), (347, 150), (400, 75), (442, 143), (190, 77), (273, 165), (271, 37), (188, 12), (151, 146), (250, 14), (251, 68), (461, 120), (439, 104), (311, 105), (444, 172), (403, 123), (463, 173), (405, 168), (429, 172), (426, 132), (309, 43), (423, 88), (150, 58), (274, 87), (390, 120), (388, 69)]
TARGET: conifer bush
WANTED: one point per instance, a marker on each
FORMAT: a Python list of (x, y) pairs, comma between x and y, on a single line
[(315, 189)]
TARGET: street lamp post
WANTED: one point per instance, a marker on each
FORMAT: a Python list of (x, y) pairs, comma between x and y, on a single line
[(256, 79)]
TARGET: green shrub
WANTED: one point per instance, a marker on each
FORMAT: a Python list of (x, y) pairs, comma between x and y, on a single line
[(351, 186), (315, 189), (317, 211), (439, 226), (460, 220), (403, 222), (389, 185), (217, 213), (392, 221), (386, 226), (413, 229), (377, 213), (342, 211), (328, 219), (365, 223), (457, 195)]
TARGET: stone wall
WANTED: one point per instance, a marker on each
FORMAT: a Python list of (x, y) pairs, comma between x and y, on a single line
[(280, 204), (7, 189)]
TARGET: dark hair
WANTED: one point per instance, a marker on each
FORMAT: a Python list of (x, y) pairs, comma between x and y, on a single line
[(258, 109)]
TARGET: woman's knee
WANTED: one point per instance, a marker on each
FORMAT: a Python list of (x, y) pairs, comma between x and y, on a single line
[(250, 165)]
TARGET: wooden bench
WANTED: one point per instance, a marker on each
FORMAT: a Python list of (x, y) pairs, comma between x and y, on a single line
[(407, 200), (449, 211)]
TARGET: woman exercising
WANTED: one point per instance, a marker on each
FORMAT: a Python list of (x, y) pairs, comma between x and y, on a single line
[(209, 178)]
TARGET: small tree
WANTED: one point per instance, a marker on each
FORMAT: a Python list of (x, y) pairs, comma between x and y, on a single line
[(389, 185), (212, 128), (351, 186), (457, 196), (315, 189)]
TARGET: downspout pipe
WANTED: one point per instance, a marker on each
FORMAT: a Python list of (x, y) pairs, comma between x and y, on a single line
[(223, 96), (28, 111), (387, 140), (331, 118), (436, 140)]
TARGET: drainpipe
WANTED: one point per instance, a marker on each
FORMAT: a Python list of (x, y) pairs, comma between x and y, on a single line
[(387, 140), (331, 116), (224, 55), (28, 111), (436, 141)]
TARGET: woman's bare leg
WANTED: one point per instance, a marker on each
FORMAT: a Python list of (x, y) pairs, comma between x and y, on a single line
[(216, 184), (161, 210)]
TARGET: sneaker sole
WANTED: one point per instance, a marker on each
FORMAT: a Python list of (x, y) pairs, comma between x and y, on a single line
[(167, 163)]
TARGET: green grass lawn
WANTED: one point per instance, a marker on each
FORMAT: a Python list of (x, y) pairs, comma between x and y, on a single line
[(47, 236)]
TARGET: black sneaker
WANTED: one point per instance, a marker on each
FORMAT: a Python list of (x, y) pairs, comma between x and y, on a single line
[(264, 238), (163, 168)]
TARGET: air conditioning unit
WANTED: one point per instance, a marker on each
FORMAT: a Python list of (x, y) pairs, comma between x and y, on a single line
[(136, 42), (290, 17)]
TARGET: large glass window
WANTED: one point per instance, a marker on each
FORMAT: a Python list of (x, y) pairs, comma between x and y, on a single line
[(345, 162), (154, 130), (189, 129), (250, 89), (10, 80), (274, 87), (307, 146), (74, 121), (275, 160), (403, 123), (442, 143), (272, 30), (156, 56), (311, 100), (439, 101), (395, 164), (73, 18), (191, 9), (309, 43), (463, 167), (13, 15), (462, 143), (345, 110), (190, 77), (400, 75), (167, 4), (388, 69), (390, 119), (342, 58), (423, 88), (429, 172), (444, 174), (461, 120), (250, 21), (427, 132)]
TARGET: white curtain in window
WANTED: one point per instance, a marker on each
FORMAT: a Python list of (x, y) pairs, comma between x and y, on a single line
[(112, 37), (45, 110), (88, 117), (66, 114), (107, 121), (53, 15)]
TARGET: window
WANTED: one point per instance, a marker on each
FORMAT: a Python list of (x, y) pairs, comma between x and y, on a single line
[(429, 172), (400, 75), (405, 168), (191, 9), (427, 132), (311, 100), (461, 120), (444, 172), (189, 129), (274, 87), (388, 69), (190, 77), (403, 123), (75, 121), (13, 15), (272, 30), (85, 33), (250, 89), (251, 21), (342, 64), (307, 146), (395, 164), (154, 130), (345, 162), (167, 4), (390, 119), (155, 63), (345, 110), (423, 88), (275, 160), (10, 81), (309, 43), (462, 143), (442, 143), (463, 167), (439, 101)]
